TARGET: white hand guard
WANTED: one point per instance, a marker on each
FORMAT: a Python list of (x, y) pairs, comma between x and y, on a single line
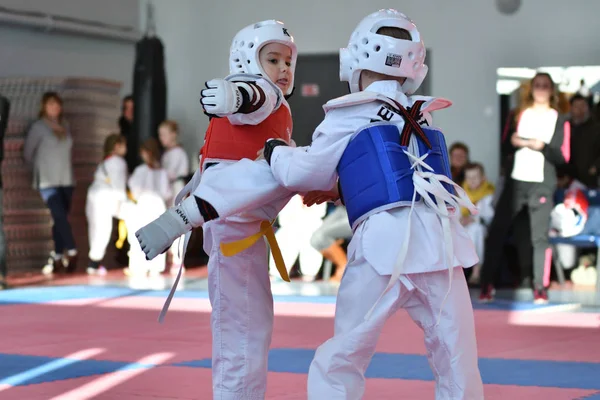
[(221, 97), (156, 237)]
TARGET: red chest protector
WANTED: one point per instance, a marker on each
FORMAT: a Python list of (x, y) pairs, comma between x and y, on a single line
[(224, 141)]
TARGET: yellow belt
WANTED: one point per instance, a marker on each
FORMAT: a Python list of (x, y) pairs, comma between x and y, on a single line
[(266, 230), (122, 235), (122, 226)]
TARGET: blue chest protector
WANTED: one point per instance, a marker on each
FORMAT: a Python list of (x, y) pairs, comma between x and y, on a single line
[(375, 174)]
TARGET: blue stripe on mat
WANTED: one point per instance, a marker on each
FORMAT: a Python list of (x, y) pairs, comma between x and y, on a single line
[(39, 295), (576, 375), (17, 370)]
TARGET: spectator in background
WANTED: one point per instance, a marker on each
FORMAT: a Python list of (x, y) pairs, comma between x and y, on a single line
[(132, 159), (459, 157), (104, 198), (583, 91), (537, 146), (150, 191), (175, 161), (47, 148), (126, 129), (297, 223), (481, 193), (329, 237), (584, 157), (570, 214)]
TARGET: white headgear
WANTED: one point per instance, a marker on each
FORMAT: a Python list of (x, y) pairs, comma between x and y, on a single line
[(368, 50), (570, 216), (247, 43)]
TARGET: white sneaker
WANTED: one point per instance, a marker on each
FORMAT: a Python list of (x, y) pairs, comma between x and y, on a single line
[(100, 271), (52, 264), (48, 269)]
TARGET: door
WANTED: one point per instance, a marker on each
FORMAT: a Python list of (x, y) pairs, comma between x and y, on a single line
[(317, 81)]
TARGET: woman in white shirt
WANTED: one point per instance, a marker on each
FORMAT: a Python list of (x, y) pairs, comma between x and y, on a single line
[(536, 142)]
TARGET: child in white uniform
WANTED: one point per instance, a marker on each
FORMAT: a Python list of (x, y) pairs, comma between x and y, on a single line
[(175, 161), (246, 108), (408, 247), (297, 223), (150, 189), (481, 193), (104, 198)]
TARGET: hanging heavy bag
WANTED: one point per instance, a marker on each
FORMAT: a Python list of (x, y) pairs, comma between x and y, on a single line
[(149, 92)]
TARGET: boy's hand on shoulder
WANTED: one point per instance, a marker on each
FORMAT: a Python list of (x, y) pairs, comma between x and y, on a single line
[(221, 97)]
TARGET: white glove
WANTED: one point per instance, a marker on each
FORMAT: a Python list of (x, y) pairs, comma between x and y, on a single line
[(221, 97), (156, 237)]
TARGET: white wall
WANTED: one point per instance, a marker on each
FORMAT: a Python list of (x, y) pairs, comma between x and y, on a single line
[(469, 40), (25, 52)]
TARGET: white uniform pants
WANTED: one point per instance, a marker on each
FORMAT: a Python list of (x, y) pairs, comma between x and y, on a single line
[(567, 254), (477, 232), (337, 371), (242, 312), (295, 243), (149, 207), (99, 213), (335, 226), (239, 286), (176, 249), (297, 223)]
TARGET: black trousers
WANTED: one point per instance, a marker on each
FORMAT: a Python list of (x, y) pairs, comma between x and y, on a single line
[(58, 200), (517, 196)]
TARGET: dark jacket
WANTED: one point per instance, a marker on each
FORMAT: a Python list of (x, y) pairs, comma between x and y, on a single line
[(132, 157), (585, 151)]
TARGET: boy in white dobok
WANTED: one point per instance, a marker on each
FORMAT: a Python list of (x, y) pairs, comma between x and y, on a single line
[(408, 247)]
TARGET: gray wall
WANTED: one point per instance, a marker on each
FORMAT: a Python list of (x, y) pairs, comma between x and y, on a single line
[(468, 38), (25, 52)]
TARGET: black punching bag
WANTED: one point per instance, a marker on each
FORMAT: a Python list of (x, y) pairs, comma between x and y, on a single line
[(4, 109), (149, 91)]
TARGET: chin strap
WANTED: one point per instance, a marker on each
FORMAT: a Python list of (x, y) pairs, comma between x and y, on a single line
[(287, 96)]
